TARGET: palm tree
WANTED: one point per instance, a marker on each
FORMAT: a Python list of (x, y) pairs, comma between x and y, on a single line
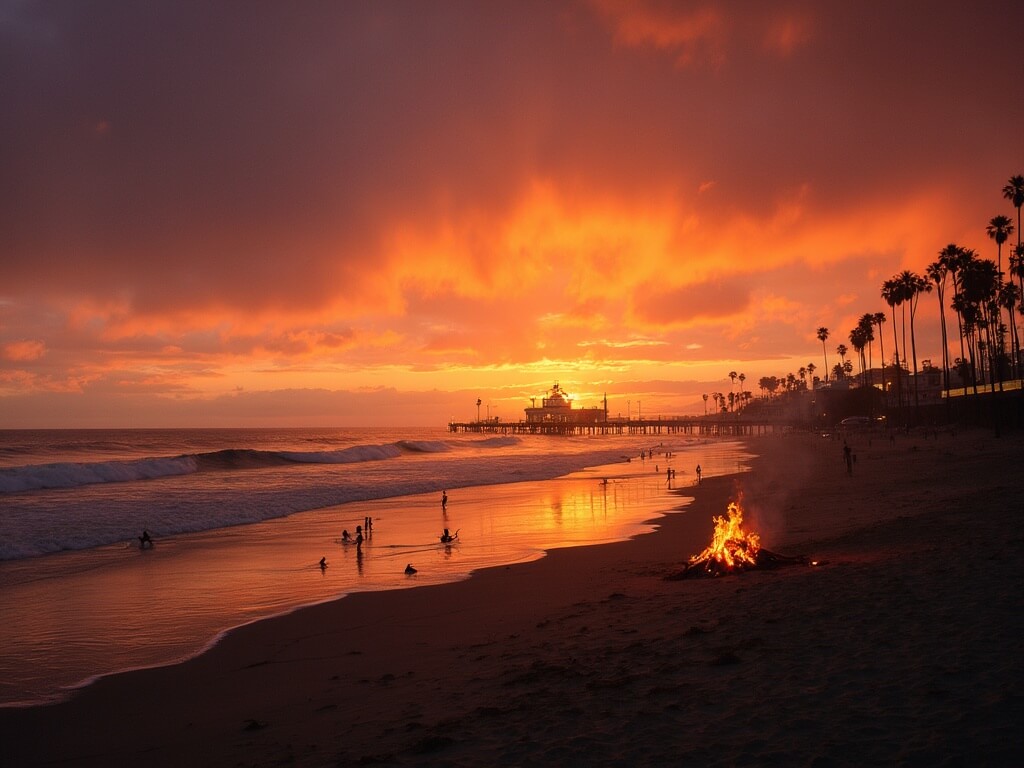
[(811, 368), (742, 378), (978, 304), (1017, 270), (878, 318), (1014, 192), (841, 350), (822, 336), (913, 286), (732, 375), (858, 341), (999, 229), (867, 326), (960, 260), (937, 272), (1009, 298), (705, 396), (893, 295)]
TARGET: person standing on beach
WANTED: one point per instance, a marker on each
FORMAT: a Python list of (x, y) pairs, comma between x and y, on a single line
[(698, 474), (848, 456), (444, 500)]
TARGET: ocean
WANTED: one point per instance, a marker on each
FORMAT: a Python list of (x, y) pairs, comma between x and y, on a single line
[(240, 519)]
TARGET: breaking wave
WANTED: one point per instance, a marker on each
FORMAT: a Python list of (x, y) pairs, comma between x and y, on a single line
[(37, 477)]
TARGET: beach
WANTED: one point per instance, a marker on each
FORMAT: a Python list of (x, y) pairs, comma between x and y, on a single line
[(902, 647)]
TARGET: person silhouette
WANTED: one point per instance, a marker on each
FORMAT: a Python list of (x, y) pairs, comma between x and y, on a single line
[(698, 474), (409, 570), (323, 563), (145, 540)]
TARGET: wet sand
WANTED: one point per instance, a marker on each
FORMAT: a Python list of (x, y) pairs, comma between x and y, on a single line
[(902, 648)]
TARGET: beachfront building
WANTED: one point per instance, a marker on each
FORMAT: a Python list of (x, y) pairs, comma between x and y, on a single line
[(557, 408)]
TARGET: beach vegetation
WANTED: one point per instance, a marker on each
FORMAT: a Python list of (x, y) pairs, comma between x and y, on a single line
[(979, 351)]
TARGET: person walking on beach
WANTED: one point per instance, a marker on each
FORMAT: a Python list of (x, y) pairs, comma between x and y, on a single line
[(444, 500), (698, 474)]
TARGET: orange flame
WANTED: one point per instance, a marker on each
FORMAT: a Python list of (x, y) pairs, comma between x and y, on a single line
[(731, 547)]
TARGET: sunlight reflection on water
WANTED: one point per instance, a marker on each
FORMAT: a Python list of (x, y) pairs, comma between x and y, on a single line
[(77, 615)]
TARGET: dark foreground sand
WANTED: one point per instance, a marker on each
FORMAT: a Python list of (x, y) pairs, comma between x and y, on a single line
[(904, 648)]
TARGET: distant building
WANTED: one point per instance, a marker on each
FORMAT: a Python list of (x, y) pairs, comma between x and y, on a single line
[(557, 408)]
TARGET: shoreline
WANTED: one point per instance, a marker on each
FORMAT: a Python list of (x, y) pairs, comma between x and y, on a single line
[(197, 587), (903, 647)]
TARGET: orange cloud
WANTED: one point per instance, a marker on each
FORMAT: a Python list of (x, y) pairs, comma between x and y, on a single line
[(28, 349), (693, 35)]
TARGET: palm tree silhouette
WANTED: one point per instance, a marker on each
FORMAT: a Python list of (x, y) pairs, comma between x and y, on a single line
[(913, 286), (841, 350), (822, 337), (937, 272), (858, 339), (867, 327), (892, 293), (1014, 192), (1009, 297), (960, 260), (999, 229), (878, 318)]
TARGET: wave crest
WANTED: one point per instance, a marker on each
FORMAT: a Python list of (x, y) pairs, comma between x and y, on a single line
[(70, 475)]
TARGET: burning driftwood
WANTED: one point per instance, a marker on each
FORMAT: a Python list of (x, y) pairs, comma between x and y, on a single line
[(732, 550)]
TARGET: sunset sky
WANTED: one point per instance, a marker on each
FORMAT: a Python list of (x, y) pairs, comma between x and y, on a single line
[(361, 213)]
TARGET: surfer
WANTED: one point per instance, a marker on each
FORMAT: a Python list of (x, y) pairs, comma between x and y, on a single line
[(346, 537), (323, 563), (409, 570), (447, 538), (145, 540)]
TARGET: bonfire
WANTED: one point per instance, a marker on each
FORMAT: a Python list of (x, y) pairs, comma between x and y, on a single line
[(733, 549)]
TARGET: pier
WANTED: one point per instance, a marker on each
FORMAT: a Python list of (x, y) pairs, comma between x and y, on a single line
[(709, 427)]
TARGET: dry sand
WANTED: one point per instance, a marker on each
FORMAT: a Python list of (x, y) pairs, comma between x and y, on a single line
[(904, 648)]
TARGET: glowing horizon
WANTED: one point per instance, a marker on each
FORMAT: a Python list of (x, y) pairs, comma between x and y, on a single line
[(376, 214)]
